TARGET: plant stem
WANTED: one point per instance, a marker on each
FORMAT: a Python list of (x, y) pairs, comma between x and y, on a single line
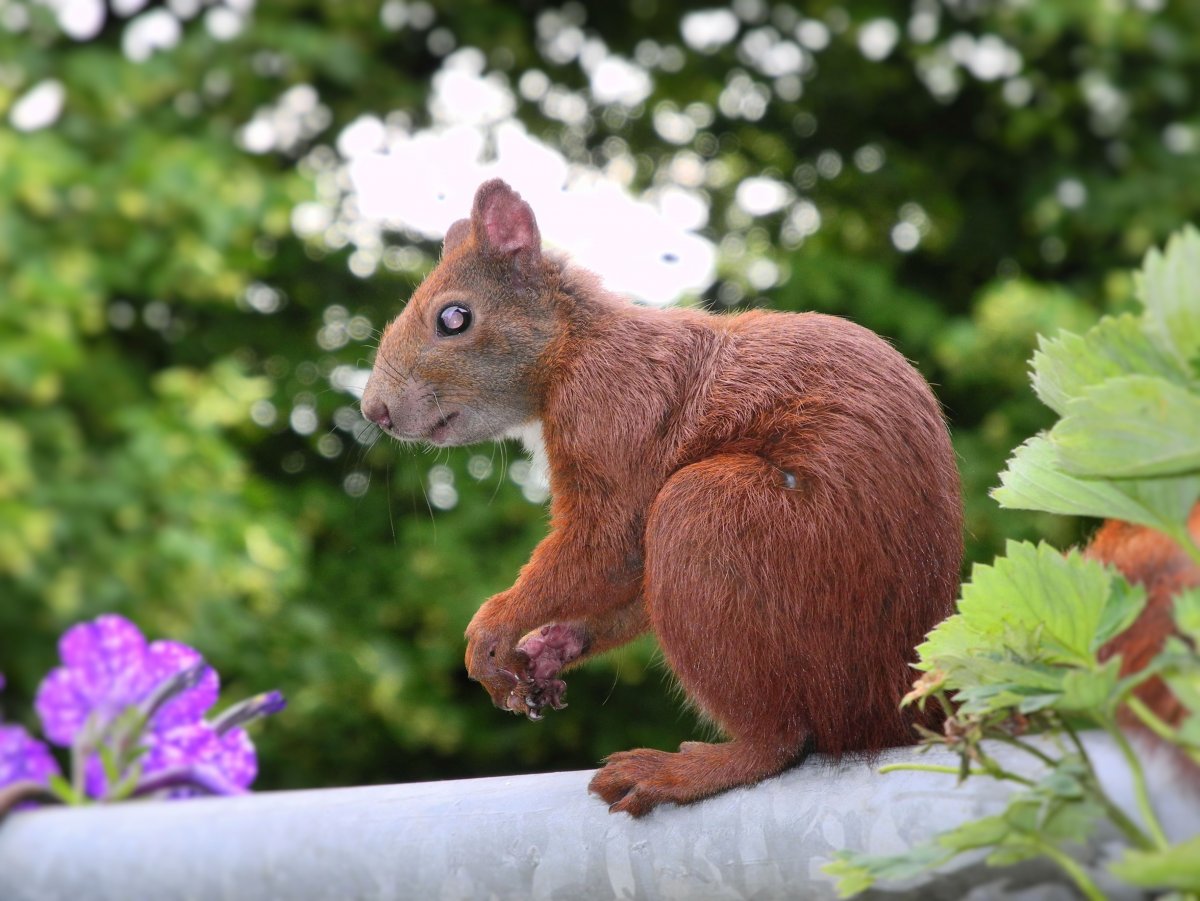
[(1025, 746), (1074, 870), (1140, 792), (993, 769), (927, 768), (25, 790), (1184, 537), (995, 773), (1118, 817), (1159, 727)]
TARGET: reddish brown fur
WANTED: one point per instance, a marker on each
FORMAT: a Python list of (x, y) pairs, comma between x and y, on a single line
[(1148, 558), (773, 494)]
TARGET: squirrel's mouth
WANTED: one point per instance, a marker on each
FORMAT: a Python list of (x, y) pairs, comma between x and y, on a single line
[(441, 428)]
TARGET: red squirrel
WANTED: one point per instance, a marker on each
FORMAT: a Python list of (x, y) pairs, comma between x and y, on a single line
[(774, 495), (1155, 561)]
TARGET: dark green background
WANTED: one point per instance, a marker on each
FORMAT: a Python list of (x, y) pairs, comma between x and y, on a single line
[(132, 478)]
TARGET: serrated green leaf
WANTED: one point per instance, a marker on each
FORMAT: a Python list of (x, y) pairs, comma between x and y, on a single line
[(1130, 427), (1125, 602), (1034, 481), (1169, 288), (1024, 625), (1177, 867), (1061, 601), (1067, 365)]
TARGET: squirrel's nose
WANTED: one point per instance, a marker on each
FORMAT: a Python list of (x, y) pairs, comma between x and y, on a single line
[(374, 409)]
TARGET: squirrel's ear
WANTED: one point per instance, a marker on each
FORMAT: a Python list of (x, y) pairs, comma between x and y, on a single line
[(455, 235), (503, 223)]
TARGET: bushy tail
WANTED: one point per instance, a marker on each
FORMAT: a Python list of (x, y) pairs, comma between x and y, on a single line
[(1158, 563)]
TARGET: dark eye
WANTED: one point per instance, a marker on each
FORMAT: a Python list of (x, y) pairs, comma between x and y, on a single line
[(453, 320)]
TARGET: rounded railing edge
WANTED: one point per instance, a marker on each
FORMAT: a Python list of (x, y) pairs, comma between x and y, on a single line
[(537, 836)]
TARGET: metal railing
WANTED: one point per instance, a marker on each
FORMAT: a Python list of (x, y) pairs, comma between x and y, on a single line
[(533, 837)]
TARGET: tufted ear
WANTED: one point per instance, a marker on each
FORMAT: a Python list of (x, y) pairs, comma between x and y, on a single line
[(455, 235), (503, 223)]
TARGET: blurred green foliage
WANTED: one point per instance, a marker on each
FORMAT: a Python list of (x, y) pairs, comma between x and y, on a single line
[(148, 459)]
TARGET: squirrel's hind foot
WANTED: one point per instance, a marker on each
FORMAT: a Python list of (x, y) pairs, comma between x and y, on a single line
[(635, 782)]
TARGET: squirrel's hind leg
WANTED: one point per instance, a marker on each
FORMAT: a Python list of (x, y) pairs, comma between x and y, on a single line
[(725, 575)]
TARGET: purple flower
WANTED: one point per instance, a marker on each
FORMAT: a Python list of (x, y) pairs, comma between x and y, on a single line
[(227, 760), (23, 757), (107, 666)]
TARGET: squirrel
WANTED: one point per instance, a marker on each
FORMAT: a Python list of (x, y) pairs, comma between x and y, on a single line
[(1155, 561), (773, 495)]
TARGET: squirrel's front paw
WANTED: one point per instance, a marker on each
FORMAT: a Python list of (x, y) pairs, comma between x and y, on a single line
[(492, 661), (544, 652)]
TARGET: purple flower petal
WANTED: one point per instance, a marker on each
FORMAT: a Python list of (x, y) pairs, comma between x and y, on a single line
[(107, 654), (163, 660), (236, 758), (191, 746), (62, 704), (107, 667), (24, 757)]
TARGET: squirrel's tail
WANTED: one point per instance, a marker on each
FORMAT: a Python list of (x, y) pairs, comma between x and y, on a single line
[(1151, 559)]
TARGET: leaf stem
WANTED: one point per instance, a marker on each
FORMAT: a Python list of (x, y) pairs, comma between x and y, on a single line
[(1161, 728), (1074, 870), (1025, 746), (1140, 792), (927, 768), (1119, 818), (995, 772), (1184, 537)]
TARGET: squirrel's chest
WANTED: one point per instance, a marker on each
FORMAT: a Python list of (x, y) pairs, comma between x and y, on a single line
[(530, 436)]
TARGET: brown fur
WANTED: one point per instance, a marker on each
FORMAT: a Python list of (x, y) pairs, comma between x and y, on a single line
[(773, 494), (1151, 559)]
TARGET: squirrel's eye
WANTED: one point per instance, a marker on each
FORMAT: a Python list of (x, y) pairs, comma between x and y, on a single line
[(453, 320)]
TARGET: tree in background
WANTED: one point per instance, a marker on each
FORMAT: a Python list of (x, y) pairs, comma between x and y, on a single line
[(186, 269)]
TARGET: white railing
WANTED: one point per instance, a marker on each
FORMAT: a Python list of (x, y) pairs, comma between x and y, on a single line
[(532, 837)]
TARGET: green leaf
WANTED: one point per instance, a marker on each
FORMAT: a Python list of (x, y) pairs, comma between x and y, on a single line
[(1057, 811), (112, 769), (1187, 613), (856, 873), (1130, 427), (1034, 481), (1027, 632), (1092, 690), (1053, 607), (122, 789), (1069, 364), (1169, 288), (62, 789), (1177, 867)]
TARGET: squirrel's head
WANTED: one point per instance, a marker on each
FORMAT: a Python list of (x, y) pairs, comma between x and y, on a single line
[(463, 361)]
